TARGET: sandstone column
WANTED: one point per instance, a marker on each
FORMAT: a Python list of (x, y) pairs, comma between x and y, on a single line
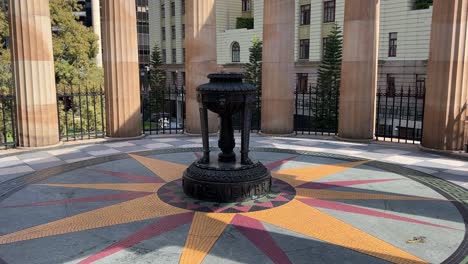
[(200, 45), (33, 71), (446, 95), (359, 70), (278, 67), (120, 56), (96, 15)]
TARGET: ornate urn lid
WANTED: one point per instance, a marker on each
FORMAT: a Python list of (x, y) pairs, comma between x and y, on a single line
[(226, 82)]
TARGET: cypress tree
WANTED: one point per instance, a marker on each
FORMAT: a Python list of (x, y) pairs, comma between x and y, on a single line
[(328, 82), (158, 88)]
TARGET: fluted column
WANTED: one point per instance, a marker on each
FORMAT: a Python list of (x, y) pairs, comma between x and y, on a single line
[(278, 67), (120, 56), (359, 70), (446, 95), (96, 15), (200, 46), (33, 71)]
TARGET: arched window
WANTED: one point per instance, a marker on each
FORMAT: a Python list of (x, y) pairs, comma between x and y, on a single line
[(235, 48)]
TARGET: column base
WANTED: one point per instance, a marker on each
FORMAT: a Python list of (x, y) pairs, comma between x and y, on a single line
[(43, 147), (126, 138), (276, 135), (352, 140)]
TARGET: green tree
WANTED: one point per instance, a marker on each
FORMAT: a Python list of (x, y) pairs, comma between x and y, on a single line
[(6, 104), (75, 46), (158, 88), (75, 49), (5, 59), (253, 74), (328, 82), (422, 4)]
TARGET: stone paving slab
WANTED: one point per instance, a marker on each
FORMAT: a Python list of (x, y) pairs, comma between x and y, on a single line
[(451, 169), (326, 207)]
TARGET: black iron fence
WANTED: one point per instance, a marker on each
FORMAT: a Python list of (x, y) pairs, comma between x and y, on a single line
[(163, 110), (81, 112), (400, 114), (316, 108), (8, 137)]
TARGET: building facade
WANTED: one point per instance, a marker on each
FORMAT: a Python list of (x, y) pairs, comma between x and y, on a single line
[(404, 36)]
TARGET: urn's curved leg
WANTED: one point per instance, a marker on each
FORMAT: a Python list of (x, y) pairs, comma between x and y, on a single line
[(246, 125), (205, 135)]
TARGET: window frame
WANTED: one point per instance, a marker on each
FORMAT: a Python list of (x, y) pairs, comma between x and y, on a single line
[(174, 56), (173, 9), (329, 11), (324, 45), (235, 52), (302, 83), (392, 44), (305, 15), (246, 5), (304, 49)]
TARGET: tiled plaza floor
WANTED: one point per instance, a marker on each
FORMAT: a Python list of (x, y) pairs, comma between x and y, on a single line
[(332, 202)]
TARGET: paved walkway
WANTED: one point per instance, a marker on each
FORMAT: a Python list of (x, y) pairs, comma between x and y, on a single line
[(16, 164), (331, 202)]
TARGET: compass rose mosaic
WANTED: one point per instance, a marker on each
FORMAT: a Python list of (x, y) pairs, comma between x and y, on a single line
[(321, 210)]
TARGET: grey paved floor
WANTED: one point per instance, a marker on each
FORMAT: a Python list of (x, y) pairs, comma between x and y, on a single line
[(454, 170)]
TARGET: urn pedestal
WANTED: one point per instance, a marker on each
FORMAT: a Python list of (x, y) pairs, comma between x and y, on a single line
[(226, 179)]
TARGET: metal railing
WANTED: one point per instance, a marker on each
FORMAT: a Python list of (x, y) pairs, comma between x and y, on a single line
[(163, 110), (316, 109), (8, 137), (81, 112), (400, 114)]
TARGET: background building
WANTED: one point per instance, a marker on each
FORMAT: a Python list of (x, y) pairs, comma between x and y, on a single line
[(404, 36)]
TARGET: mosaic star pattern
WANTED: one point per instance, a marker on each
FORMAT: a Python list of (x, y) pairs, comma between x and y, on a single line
[(294, 205)]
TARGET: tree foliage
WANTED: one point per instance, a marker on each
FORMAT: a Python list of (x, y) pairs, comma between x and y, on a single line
[(253, 73), (245, 22), (158, 88), (253, 76), (329, 78), (75, 46), (422, 4), (5, 58)]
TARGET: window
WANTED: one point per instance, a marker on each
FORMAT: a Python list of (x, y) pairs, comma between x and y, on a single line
[(173, 32), (174, 56), (235, 47), (324, 45), (304, 49), (172, 8), (183, 31), (183, 78), (174, 78), (302, 82), (391, 90), (163, 11), (392, 44), (183, 55), (182, 7), (329, 11), (305, 15), (163, 33), (163, 55), (246, 6)]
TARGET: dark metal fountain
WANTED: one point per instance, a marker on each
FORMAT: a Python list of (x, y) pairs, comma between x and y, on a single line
[(226, 179)]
